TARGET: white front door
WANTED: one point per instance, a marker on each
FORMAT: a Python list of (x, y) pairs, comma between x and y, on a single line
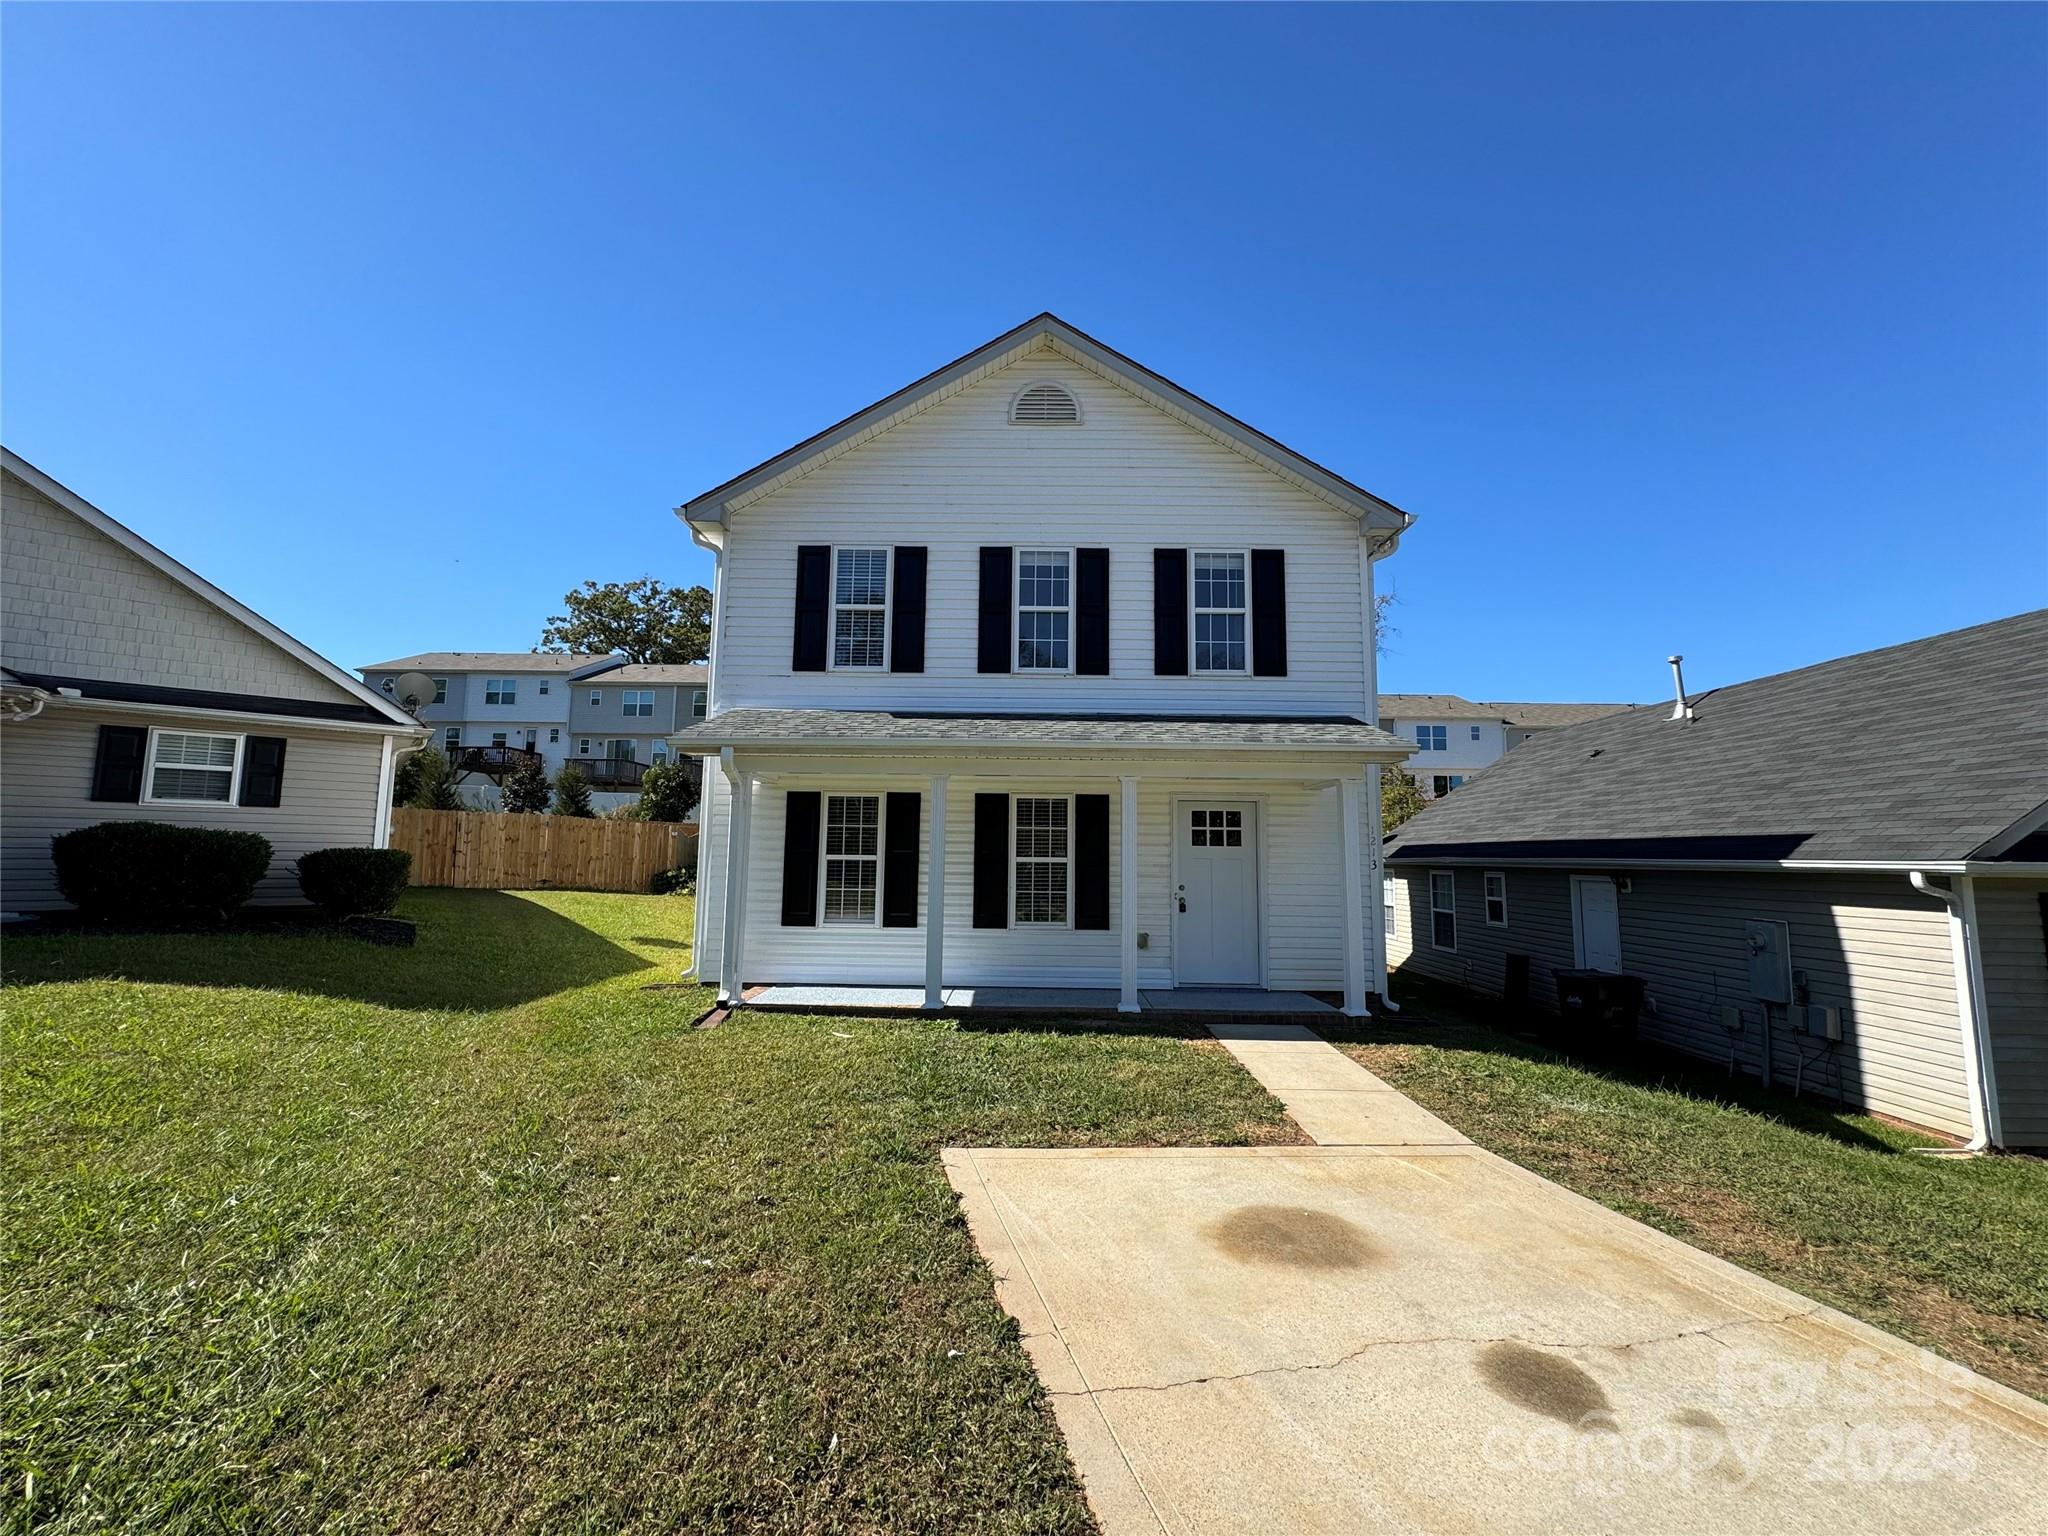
[(1596, 910), (1216, 895)]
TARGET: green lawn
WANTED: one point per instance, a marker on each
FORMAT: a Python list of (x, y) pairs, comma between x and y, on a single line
[(481, 1236), (1949, 1254)]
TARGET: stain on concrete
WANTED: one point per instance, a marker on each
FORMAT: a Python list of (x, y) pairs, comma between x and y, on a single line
[(1547, 1384), (1699, 1418), (1293, 1236)]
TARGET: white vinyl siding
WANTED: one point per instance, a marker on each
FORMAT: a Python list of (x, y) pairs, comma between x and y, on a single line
[(957, 476), (330, 798), (860, 609), (1868, 944)]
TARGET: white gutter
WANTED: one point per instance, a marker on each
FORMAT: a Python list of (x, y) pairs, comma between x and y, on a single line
[(1967, 953), (896, 746), (1813, 866)]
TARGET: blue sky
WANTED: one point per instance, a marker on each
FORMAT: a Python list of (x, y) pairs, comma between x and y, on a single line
[(1714, 329)]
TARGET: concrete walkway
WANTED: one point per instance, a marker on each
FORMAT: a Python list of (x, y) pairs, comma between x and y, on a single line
[(1397, 1331)]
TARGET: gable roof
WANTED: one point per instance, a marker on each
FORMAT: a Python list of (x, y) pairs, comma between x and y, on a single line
[(492, 661), (1925, 753), (63, 496), (1377, 515)]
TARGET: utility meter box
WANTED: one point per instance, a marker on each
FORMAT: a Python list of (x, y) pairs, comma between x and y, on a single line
[(1770, 960)]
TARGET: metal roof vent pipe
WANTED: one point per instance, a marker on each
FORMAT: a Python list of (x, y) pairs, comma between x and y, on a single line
[(1680, 710)]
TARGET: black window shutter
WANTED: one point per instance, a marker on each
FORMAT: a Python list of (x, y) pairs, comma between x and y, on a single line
[(1091, 861), (799, 858), (1269, 613), (263, 770), (899, 858), (906, 610), (1169, 613), (117, 762), (813, 607), (1091, 612), (993, 653), (992, 860)]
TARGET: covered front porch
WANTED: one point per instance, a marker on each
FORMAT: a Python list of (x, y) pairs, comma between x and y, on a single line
[(1042, 864)]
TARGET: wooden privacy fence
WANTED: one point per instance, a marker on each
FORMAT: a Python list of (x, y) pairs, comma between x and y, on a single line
[(498, 851)]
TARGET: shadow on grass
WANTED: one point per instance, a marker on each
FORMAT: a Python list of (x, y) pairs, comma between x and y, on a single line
[(1444, 1019), (477, 951)]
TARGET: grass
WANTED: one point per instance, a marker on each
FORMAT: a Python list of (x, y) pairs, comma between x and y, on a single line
[(1951, 1254), (481, 1236)]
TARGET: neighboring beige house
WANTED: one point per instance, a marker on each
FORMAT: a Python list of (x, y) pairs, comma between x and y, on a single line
[(133, 689), (1834, 879)]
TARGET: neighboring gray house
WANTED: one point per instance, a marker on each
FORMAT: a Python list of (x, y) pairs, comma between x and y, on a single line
[(502, 699), (1835, 878), (620, 718), (132, 689), (1455, 737)]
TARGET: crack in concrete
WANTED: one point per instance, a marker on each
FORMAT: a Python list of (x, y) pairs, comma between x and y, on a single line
[(1713, 1332)]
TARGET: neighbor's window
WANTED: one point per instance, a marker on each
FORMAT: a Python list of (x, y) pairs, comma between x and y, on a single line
[(441, 690), (661, 751), (501, 690), (1443, 909), (1475, 733), (638, 701), (860, 608), (1045, 607), (853, 844), (697, 704), (1387, 899), (1042, 861), (1443, 783), (554, 734), (1496, 899), (1219, 611), (453, 737), (389, 685), (497, 738), (583, 746), (543, 685), (1432, 738), (184, 765)]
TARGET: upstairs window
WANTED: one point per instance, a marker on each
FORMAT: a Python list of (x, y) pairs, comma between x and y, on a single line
[(184, 765), (1044, 404), (596, 697), (1475, 733), (860, 609), (1045, 610), (543, 685), (697, 704), (1432, 738), (501, 690), (441, 690), (637, 701), (1220, 610), (853, 848)]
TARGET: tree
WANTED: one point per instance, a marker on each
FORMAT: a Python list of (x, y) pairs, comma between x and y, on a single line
[(427, 780), (572, 792), (642, 621), (668, 790), (1400, 796), (1381, 627), (526, 787)]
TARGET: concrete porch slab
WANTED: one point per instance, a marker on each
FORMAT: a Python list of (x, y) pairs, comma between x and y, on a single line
[(1232, 1000)]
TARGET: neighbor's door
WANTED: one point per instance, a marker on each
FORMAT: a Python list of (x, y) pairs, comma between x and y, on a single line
[(1216, 900), (1597, 911)]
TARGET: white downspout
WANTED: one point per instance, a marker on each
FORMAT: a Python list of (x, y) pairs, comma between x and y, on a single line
[(1968, 957)]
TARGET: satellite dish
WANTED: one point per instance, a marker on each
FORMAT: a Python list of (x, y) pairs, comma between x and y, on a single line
[(414, 690)]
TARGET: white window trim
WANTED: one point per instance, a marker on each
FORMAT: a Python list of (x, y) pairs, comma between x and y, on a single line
[(629, 704), (700, 701), (507, 695), (583, 746), (149, 795), (596, 697), (1016, 859), (833, 606), (554, 735), (1389, 906), (825, 859), (1017, 609), (1451, 911), (440, 690), (451, 739), (1199, 671), (1486, 897), (1422, 744)]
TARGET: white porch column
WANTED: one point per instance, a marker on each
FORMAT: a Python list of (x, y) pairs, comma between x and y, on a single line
[(1355, 938), (1127, 891), (739, 826), (935, 901)]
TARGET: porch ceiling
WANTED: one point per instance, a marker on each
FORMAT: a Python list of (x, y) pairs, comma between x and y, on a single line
[(902, 730)]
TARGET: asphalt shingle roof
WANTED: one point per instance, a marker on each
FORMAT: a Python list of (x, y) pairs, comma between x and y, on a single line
[(857, 728), (1451, 706), (652, 672), (484, 661), (1919, 752)]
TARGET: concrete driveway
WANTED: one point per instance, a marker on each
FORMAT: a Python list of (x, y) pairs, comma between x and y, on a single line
[(1404, 1332)]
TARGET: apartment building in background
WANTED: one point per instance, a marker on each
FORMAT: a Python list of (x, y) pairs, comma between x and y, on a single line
[(1455, 737)]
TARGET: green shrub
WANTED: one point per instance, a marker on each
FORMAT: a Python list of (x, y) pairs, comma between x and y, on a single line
[(572, 792), (351, 881), (150, 871), (670, 882)]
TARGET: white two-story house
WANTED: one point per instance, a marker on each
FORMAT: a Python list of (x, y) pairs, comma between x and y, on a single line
[(1043, 672)]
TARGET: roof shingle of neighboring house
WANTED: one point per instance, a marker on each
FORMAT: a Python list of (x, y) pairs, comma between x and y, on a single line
[(1548, 716), (486, 661), (654, 672), (1922, 752), (1451, 706), (906, 728)]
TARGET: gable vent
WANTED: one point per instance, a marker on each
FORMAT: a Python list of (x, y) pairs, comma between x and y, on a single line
[(1044, 402)]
